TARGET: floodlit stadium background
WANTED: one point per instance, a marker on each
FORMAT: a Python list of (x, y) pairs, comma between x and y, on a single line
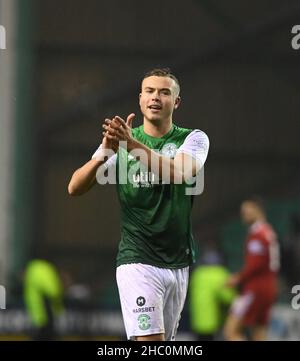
[(69, 64)]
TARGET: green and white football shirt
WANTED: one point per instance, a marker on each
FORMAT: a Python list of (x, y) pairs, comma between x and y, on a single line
[(155, 217)]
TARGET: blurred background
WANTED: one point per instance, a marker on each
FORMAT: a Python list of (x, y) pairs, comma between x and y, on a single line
[(70, 64)]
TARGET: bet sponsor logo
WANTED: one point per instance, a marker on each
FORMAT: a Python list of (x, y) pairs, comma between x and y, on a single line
[(143, 309), (141, 301)]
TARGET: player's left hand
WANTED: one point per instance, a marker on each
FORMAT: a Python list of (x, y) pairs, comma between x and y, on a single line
[(120, 130), (109, 143)]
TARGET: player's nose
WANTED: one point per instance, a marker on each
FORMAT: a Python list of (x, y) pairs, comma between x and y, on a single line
[(155, 95)]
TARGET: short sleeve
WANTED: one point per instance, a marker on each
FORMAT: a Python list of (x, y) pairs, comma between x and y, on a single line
[(196, 144)]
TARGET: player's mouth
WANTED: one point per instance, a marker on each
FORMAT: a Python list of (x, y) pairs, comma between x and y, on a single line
[(155, 108)]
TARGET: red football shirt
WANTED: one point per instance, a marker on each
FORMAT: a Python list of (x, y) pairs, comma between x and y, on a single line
[(261, 260)]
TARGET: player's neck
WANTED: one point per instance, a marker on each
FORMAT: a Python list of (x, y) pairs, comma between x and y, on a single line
[(157, 129), (258, 221)]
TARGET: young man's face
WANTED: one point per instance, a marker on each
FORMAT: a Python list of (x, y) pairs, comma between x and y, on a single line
[(249, 212), (159, 97)]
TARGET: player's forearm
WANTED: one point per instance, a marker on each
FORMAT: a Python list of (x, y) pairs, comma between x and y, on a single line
[(84, 178), (164, 167)]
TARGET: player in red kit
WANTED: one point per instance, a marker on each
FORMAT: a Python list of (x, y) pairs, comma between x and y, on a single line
[(257, 280)]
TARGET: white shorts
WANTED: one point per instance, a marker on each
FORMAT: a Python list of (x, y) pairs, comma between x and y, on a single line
[(152, 298)]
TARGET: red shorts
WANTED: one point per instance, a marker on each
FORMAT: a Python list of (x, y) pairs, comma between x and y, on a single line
[(253, 308)]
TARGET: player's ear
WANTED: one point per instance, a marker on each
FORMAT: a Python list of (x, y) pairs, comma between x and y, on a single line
[(177, 102)]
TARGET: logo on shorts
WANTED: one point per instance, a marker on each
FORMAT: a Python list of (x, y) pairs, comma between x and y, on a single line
[(144, 322), (143, 309), (140, 301)]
